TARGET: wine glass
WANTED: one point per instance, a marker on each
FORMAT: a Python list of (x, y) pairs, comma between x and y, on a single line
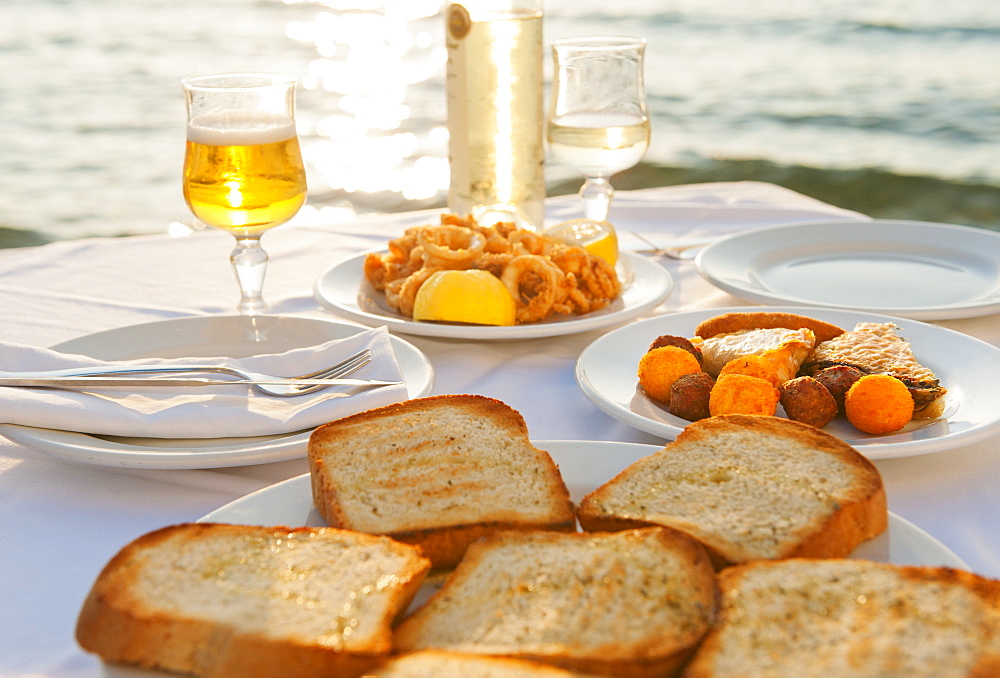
[(597, 121), (243, 170)]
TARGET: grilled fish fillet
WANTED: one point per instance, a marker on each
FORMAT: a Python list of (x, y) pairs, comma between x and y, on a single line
[(784, 348), (876, 348)]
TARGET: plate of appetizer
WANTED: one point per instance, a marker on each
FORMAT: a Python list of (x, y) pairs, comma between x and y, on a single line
[(557, 288), (913, 269), (951, 376)]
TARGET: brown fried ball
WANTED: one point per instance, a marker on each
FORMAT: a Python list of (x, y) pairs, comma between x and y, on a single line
[(679, 342), (807, 400), (838, 381), (690, 394)]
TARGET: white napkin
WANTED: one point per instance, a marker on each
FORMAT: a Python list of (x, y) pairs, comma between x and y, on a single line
[(203, 411)]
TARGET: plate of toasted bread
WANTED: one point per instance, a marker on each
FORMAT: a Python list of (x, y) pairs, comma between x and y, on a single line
[(950, 376), (527, 562), (913, 269), (600, 558)]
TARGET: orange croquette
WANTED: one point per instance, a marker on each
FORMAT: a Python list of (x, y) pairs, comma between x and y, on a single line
[(660, 367), (743, 394), (878, 403), (752, 366)]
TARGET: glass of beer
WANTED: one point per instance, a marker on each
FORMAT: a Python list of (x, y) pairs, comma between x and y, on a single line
[(243, 170), (597, 122)]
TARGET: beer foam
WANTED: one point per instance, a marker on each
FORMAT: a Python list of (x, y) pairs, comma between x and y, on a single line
[(239, 128)]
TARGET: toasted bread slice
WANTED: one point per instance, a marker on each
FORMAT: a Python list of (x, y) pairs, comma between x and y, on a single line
[(235, 600), (845, 618), (438, 472), (728, 323), (876, 348), (748, 488), (632, 603), (442, 664)]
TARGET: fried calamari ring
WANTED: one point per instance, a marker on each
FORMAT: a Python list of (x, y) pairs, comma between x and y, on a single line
[(451, 247), (382, 269), (411, 285), (526, 242), (496, 235), (493, 262), (377, 270), (595, 282), (400, 248), (392, 289), (534, 283)]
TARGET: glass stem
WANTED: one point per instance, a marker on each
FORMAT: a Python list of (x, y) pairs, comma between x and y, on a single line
[(250, 264), (597, 194)]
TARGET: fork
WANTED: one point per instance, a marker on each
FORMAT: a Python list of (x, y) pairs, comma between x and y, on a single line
[(681, 253), (339, 370)]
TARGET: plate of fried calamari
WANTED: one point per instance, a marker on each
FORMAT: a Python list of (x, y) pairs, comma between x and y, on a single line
[(950, 376), (558, 288)]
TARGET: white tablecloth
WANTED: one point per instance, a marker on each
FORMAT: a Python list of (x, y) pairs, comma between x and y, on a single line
[(62, 522)]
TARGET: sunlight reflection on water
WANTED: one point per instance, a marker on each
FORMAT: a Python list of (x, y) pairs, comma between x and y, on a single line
[(373, 94)]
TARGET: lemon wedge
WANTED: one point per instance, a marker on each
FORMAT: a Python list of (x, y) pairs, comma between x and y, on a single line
[(472, 296), (597, 237)]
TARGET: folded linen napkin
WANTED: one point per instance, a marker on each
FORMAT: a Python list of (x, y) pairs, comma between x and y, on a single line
[(204, 411)]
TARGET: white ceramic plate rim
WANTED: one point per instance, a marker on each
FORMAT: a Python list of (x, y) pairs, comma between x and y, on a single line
[(418, 373), (342, 289), (731, 263), (967, 367), (584, 465)]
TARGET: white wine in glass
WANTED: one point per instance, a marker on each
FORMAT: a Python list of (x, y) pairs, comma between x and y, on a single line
[(597, 121), (243, 169)]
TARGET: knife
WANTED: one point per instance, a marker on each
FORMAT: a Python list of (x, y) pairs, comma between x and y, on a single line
[(128, 382)]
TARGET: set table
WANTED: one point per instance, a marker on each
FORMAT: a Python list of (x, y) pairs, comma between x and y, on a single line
[(63, 521)]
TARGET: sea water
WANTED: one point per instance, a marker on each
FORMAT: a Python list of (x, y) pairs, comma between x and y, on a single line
[(891, 107)]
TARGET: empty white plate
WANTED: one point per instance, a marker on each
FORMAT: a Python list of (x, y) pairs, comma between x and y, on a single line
[(912, 269)]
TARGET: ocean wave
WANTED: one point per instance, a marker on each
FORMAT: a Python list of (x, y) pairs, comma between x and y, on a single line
[(806, 21), (960, 130), (922, 31)]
